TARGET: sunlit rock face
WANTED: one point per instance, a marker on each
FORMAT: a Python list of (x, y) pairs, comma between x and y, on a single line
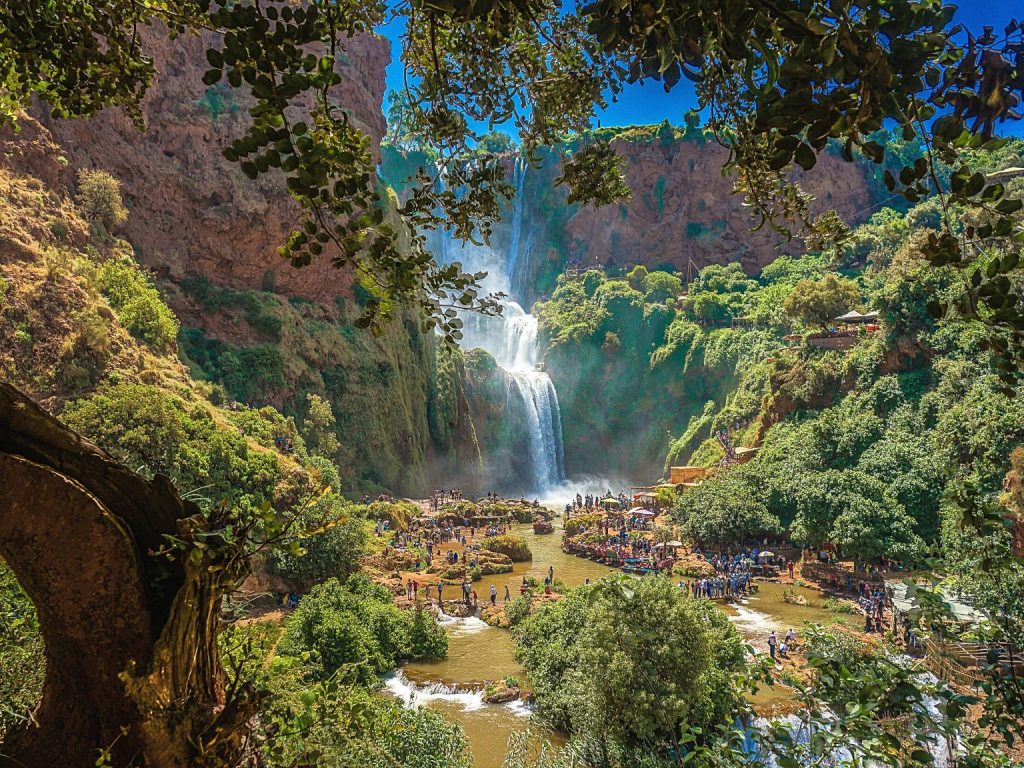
[(683, 213), (193, 212), (684, 209)]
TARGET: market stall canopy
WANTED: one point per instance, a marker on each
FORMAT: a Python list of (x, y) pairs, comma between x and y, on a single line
[(765, 554), (640, 511), (850, 317), (610, 502)]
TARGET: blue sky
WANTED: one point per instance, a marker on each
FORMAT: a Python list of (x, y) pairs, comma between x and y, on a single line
[(649, 103)]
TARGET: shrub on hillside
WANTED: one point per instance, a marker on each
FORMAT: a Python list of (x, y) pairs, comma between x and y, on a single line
[(514, 547), (153, 431), (331, 553), (99, 198), (265, 425), (139, 306)]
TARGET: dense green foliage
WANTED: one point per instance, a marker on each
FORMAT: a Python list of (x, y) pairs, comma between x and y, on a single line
[(318, 428), (22, 663), (340, 719), (340, 727), (139, 306), (725, 512), (637, 357), (335, 533), (819, 302), (625, 663), (858, 447), (356, 626), (154, 431)]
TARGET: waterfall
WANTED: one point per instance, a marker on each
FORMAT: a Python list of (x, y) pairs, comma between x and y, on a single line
[(514, 342), (516, 225)]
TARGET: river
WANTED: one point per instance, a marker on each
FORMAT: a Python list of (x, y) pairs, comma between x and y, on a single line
[(478, 653)]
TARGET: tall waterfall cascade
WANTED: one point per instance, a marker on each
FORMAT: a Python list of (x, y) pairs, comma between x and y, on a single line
[(513, 338)]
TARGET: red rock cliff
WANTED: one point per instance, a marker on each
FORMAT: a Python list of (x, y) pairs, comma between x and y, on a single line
[(683, 208), (191, 210)]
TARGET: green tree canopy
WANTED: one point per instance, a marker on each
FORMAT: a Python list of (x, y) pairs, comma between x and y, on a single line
[(318, 428), (631, 661), (818, 302), (355, 625), (725, 511), (99, 198)]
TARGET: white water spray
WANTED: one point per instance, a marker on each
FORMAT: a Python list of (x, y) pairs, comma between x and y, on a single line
[(514, 342)]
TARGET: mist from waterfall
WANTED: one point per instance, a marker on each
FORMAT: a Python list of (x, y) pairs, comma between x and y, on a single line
[(513, 339)]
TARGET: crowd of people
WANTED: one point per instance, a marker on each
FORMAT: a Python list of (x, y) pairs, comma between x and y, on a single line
[(731, 585), (593, 502), (445, 495), (750, 560), (619, 549), (872, 602)]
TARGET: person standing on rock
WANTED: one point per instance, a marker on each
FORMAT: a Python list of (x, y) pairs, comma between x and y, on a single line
[(772, 642), (440, 586), (494, 595)]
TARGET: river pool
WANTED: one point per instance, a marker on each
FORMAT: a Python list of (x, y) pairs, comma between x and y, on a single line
[(478, 653)]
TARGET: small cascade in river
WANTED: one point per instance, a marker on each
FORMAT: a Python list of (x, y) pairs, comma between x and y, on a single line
[(513, 340)]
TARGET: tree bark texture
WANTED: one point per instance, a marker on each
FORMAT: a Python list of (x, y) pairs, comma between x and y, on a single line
[(130, 634)]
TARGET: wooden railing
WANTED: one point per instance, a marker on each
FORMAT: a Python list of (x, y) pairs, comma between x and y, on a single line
[(961, 663)]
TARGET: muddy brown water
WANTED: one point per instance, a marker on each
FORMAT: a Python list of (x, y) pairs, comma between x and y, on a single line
[(478, 653)]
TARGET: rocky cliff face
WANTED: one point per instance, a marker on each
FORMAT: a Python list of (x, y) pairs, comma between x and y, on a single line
[(683, 209), (262, 330), (192, 212), (683, 214)]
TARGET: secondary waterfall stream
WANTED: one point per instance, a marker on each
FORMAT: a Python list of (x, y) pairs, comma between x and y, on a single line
[(513, 339)]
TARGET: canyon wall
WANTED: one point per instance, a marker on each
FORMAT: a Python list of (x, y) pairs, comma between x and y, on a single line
[(193, 212), (258, 329), (683, 213), (683, 209)]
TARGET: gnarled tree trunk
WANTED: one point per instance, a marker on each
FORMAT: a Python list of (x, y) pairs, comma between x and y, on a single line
[(130, 633)]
